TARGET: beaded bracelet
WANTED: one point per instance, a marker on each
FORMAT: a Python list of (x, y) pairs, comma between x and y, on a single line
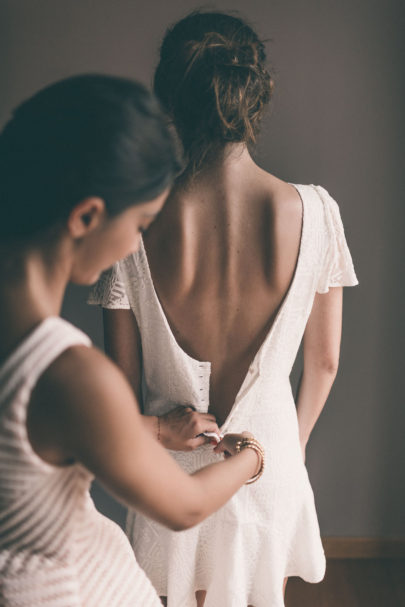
[(252, 443)]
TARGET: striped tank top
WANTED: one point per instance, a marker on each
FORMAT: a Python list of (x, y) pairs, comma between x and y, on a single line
[(56, 549)]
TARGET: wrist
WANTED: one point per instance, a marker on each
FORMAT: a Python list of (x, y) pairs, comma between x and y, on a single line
[(256, 458), (161, 430), (251, 444)]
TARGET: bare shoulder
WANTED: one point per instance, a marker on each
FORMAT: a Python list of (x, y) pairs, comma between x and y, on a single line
[(81, 389), (81, 383), (283, 214), (282, 196), (80, 369)]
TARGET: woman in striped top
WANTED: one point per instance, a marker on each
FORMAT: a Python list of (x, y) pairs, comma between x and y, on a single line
[(85, 166)]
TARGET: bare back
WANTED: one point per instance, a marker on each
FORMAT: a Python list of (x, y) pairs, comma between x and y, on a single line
[(222, 257)]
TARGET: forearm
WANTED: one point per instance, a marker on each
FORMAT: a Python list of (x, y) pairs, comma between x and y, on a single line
[(314, 387), (122, 343), (151, 424), (98, 424), (217, 483), (321, 346), (163, 491)]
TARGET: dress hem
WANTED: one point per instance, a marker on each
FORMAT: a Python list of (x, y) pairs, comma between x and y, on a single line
[(316, 579)]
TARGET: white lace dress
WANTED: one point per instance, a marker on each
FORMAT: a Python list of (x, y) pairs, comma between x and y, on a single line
[(268, 530)]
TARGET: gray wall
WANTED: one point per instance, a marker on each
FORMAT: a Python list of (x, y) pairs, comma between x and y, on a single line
[(336, 120)]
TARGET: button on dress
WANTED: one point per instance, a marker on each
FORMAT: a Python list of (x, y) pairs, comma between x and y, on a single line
[(267, 530)]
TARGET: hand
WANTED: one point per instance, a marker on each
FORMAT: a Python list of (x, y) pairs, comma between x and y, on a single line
[(227, 446), (181, 427)]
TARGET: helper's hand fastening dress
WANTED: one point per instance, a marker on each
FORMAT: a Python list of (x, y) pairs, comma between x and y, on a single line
[(268, 530)]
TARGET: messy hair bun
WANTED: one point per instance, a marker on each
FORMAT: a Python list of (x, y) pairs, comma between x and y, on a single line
[(212, 81)]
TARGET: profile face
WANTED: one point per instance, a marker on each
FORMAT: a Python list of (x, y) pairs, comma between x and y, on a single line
[(115, 238)]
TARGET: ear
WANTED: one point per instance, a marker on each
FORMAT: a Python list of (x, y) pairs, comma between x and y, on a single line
[(86, 216)]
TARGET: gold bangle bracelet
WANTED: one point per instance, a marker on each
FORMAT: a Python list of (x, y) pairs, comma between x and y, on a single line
[(252, 443)]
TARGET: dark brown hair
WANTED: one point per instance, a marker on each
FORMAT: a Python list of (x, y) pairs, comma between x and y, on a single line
[(213, 83), (88, 135)]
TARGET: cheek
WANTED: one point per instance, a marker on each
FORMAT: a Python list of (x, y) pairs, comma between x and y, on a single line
[(120, 245), (127, 244), (100, 254), (85, 273)]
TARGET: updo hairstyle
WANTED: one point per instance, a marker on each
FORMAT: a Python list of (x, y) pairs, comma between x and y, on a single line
[(212, 82), (88, 135)]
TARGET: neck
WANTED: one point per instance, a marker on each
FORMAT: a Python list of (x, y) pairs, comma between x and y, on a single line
[(32, 286), (229, 166), (208, 210)]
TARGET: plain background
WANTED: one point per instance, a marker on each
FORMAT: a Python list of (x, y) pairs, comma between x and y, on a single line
[(335, 120)]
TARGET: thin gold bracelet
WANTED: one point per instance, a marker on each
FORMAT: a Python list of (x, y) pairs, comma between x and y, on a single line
[(252, 443)]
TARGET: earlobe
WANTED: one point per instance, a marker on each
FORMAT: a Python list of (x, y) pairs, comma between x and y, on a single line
[(86, 216)]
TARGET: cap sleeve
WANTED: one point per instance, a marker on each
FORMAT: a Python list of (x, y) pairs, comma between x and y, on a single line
[(109, 291), (336, 269)]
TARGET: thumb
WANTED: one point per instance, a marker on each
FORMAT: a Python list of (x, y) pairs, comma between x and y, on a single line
[(220, 447)]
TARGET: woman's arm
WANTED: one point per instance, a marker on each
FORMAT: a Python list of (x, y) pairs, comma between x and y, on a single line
[(83, 409), (321, 348), (122, 343), (178, 428)]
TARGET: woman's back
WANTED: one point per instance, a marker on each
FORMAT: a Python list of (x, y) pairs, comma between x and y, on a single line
[(228, 247)]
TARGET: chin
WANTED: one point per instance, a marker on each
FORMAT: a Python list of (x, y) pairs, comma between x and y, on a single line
[(87, 280), (94, 278)]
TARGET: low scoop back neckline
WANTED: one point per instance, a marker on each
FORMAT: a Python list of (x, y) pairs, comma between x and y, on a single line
[(279, 311)]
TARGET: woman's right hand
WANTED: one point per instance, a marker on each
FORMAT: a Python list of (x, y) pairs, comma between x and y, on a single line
[(227, 446)]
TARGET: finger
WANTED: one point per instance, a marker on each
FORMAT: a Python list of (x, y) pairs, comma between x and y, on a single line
[(193, 443), (189, 407), (226, 444), (185, 410), (213, 435), (220, 448), (209, 417), (208, 426), (222, 451)]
